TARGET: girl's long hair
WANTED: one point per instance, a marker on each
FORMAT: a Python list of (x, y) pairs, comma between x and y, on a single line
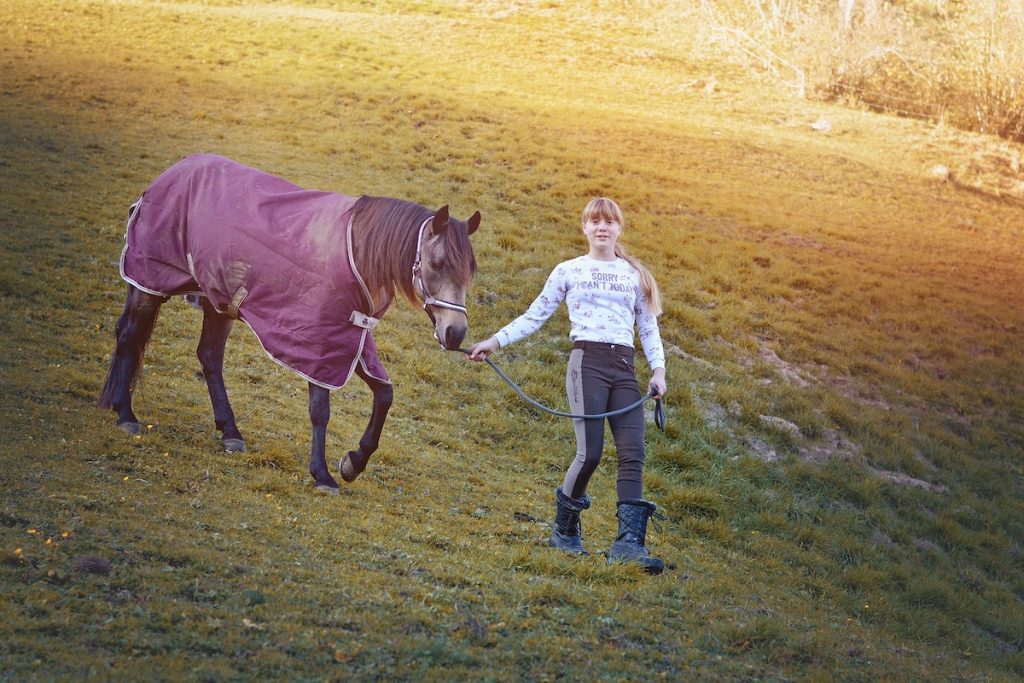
[(605, 209)]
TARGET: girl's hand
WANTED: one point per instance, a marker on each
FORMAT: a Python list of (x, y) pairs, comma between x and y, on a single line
[(657, 383), (481, 350)]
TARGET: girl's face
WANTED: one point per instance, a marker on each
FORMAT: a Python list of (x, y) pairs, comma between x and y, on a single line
[(602, 233)]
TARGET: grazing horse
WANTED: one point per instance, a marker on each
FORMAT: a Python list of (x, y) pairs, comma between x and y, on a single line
[(310, 273)]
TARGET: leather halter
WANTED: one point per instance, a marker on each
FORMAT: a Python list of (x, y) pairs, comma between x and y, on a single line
[(417, 278)]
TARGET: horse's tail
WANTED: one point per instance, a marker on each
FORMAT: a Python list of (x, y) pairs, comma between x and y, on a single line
[(132, 332)]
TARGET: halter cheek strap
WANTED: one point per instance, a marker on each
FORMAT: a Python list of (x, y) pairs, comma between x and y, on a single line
[(417, 278)]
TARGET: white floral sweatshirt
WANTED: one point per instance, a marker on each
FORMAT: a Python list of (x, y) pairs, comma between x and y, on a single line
[(605, 300)]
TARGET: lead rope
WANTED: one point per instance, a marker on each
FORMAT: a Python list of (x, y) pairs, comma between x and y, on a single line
[(655, 518), (659, 410)]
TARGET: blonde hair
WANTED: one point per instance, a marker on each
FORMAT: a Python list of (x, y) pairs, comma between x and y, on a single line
[(602, 208)]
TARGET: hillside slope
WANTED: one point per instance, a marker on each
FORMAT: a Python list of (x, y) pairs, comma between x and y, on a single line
[(842, 470)]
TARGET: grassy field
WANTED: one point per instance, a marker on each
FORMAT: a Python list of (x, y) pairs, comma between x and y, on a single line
[(842, 471)]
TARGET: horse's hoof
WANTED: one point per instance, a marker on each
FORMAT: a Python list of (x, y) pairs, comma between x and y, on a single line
[(347, 469), (133, 428), (329, 490), (325, 482), (234, 445)]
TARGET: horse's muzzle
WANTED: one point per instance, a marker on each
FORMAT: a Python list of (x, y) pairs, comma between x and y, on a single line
[(452, 336)]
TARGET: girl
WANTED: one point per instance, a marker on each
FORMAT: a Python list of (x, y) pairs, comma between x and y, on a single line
[(607, 292)]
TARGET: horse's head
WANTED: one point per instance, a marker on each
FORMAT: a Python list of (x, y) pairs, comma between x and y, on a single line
[(445, 265)]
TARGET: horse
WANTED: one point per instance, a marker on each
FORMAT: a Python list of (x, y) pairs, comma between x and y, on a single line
[(310, 272)]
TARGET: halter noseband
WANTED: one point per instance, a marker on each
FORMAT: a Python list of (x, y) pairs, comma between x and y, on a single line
[(417, 275)]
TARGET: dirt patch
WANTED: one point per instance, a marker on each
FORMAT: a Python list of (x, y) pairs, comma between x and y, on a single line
[(715, 416), (994, 168), (780, 424), (810, 374), (831, 445), (724, 418), (856, 391), (787, 371), (761, 449), (676, 351), (904, 479)]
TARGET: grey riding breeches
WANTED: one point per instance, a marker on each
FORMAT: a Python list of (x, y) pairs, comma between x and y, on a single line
[(601, 378)]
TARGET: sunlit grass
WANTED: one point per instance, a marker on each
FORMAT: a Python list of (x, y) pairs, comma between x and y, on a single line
[(821, 283)]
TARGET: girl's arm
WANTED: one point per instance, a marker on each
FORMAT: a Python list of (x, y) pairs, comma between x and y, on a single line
[(529, 322), (650, 339)]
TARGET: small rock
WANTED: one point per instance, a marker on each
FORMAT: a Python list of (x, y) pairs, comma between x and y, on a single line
[(940, 173), (781, 424), (822, 125)]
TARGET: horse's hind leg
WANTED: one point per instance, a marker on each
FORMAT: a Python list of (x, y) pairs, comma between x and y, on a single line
[(354, 462), (133, 330), (210, 351)]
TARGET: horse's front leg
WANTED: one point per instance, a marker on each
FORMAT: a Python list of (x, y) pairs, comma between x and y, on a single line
[(354, 462), (319, 416)]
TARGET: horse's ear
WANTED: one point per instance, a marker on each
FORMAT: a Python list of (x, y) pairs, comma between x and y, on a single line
[(473, 223), (441, 220)]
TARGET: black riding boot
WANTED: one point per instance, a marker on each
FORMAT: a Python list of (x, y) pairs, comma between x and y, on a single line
[(567, 534), (629, 545)]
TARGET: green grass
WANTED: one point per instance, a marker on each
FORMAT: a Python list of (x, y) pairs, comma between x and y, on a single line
[(821, 279)]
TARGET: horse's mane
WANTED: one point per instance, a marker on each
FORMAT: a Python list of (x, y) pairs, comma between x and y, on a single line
[(384, 246)]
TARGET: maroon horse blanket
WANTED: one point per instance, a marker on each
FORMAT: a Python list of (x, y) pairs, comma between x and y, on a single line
[(264, 250)]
